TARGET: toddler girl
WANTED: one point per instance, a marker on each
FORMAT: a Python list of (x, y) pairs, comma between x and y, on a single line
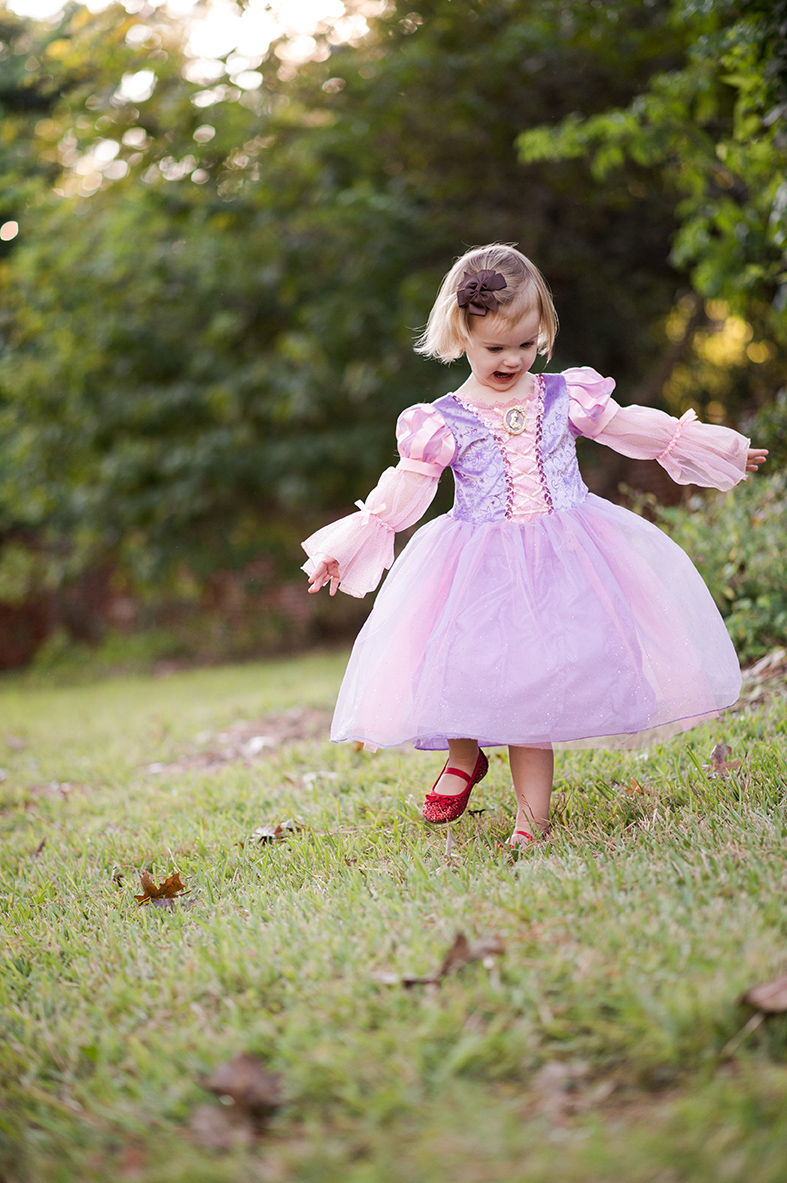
[(534, 614)]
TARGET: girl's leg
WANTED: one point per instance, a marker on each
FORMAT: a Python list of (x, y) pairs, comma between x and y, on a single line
[(462, 753), (532, 770)]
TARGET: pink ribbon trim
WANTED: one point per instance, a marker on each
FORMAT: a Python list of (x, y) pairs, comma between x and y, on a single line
[(422, 466), (688, 417)]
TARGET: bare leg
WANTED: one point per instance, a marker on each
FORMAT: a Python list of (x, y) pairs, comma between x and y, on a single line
[(532, 770), (462, 753)]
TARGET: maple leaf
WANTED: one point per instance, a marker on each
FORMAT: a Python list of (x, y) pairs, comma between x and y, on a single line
[(168, 890)]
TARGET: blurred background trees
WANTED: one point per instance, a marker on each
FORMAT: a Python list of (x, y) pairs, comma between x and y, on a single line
[(221, 263)]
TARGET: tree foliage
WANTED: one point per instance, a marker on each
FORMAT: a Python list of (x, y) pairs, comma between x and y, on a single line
[(714, 133), (211, 304)]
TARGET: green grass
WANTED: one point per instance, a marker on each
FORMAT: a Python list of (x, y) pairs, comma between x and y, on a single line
[(630, 936)]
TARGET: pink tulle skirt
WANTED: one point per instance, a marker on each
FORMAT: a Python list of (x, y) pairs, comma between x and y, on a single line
[(585, 628)]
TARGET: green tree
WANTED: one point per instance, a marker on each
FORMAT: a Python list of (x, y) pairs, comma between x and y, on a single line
[(711, 133), (211, 320)]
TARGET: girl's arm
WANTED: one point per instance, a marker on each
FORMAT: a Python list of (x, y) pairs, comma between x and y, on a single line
[(352, 553), (693, 453)]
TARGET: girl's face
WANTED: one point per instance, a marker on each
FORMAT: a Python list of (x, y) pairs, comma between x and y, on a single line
[(500, 352)]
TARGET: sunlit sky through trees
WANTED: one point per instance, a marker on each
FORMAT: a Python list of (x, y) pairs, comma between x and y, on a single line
[(218, 28)]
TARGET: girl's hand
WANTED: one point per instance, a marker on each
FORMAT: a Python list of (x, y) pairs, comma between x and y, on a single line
[(326, 571), (755, 457)]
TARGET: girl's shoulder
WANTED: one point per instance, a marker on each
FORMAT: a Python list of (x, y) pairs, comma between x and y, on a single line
[(590, 402), (424, 436)]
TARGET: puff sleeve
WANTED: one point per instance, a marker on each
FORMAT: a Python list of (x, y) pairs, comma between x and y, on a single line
[(693, 453), (363, 543), (590, 406)]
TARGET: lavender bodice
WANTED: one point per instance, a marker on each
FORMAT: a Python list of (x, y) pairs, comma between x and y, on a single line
[(499, 476)]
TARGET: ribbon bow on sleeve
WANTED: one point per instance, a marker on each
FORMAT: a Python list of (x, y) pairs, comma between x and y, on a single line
[(367, 515), (477, 292)]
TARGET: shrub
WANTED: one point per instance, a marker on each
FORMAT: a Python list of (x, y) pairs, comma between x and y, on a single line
[(738, 541)]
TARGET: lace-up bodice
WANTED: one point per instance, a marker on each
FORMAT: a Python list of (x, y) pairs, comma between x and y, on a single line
[(527, 493)]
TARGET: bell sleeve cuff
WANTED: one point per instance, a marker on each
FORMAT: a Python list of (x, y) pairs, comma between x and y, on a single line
[(591, 406), (693, 453), (363, 543)]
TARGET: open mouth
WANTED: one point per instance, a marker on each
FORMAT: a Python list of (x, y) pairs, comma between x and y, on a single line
[(501, 376)]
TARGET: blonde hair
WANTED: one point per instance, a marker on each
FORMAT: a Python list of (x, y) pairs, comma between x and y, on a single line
[(448, 329)]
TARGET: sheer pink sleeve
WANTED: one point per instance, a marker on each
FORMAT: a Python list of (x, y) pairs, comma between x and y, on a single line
[(363, 543), (693, 453), (591, 406)]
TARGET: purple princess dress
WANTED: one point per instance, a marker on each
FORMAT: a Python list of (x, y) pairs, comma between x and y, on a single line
[(534, 613)]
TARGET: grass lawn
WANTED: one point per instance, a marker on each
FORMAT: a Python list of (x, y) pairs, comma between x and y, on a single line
[(601, 1045)]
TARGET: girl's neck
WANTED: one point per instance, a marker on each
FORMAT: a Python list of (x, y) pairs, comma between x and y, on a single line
[(473, 391)]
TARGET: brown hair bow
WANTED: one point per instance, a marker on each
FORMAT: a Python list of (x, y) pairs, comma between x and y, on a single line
[(477, 292)]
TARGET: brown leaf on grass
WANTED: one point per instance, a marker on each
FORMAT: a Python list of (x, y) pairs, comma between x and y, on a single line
[(248, 1084), (276, 832), (771, 997), (461, 952), (720, 762), (39, 848), (170, 889)]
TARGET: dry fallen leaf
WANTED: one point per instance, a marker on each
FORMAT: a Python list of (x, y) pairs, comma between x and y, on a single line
[(248, 1084), (39, 848), (170, 889), (277, 832), (720, 763), (461, 952), (770, 997)]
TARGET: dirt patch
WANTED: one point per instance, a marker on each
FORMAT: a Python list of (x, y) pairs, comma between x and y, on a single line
[(246, 741)]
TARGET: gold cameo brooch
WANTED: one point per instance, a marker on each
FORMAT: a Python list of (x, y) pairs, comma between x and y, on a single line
[(515, 420)]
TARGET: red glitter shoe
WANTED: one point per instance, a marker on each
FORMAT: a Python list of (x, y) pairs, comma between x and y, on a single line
[(439, 809)]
